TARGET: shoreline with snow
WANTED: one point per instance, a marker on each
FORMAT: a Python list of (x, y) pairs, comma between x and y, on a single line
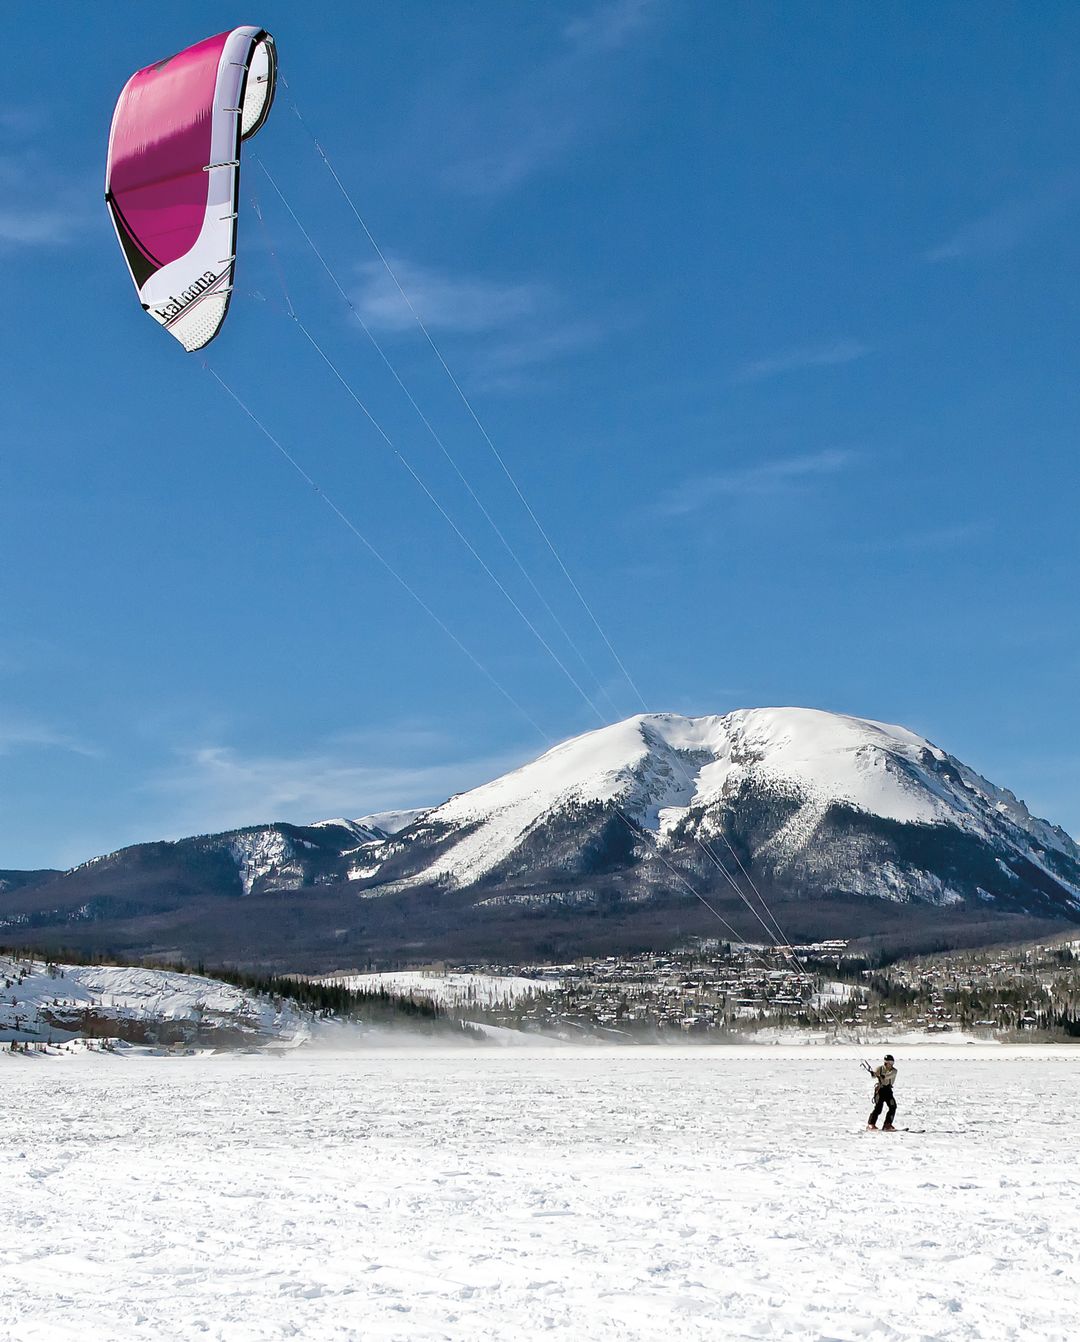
[(44, 1004)]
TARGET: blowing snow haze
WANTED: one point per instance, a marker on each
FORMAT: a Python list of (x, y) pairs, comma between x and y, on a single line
[(847, 827)]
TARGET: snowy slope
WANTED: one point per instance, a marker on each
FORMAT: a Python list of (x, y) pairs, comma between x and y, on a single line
[(660, 769), (453, 989), (597, 841), (386, 823), (675, 777), (43, 1001)]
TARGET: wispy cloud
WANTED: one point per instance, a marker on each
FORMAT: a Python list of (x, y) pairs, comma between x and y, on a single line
[(513, 363), (16, 122), (41, 207), (530, 149), (759, 480), (19, 652), (37, 225), (21, 733), (512, 329), (218, 787), (936, 539), (400, 739), (930, 540), (513, 134), (825, 355), (610, 26), (1001, 230), (463, 304)]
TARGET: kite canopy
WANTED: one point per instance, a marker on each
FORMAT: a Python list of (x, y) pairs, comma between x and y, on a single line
[(173, 175)]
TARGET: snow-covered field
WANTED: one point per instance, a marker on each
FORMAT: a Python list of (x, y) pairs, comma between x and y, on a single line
[(470, 1194), (455, 988)]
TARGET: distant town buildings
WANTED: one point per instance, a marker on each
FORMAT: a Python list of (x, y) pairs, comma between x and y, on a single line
[(734, 991)]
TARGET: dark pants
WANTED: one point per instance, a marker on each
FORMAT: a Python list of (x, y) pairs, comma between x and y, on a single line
[(883, 1099)]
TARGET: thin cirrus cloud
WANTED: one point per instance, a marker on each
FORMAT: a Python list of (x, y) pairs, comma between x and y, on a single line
[(217, 787), (464, 305), (18, 734), (930, 541), (934, 540), (513, 135), (760, 480), (38, 211), (828, 354), (514, 363), (610, 27), (1001, 230), (512, 329), (38, 225), (40, 208), (527, 151)]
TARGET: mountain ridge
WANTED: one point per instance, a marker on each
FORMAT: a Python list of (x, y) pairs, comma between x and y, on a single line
[(845, 823), (667, 773)]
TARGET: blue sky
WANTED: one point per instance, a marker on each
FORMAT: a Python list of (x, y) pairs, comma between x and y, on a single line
[(771, 310)]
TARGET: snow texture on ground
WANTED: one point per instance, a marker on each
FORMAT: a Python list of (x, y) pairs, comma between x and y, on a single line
[(42, 1001), (454, 988), (573, 1195)]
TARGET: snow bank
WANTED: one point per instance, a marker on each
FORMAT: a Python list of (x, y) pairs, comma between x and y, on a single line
[(40, 1001)]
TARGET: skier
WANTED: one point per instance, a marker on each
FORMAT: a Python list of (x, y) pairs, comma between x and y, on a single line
[(884, 1076)]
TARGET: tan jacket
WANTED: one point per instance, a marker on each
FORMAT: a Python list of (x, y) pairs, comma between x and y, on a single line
[(884, 1075)]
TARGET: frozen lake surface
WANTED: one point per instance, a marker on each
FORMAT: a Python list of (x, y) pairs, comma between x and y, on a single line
[(603, 1194)]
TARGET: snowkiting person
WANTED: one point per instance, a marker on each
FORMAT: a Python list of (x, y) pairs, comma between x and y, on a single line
[(884, 1076)]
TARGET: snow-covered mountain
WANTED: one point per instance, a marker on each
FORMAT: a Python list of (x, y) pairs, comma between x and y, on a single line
[(608, 841), (802, 798)]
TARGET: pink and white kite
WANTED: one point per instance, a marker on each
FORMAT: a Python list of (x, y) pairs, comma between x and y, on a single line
[(173, 175)]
